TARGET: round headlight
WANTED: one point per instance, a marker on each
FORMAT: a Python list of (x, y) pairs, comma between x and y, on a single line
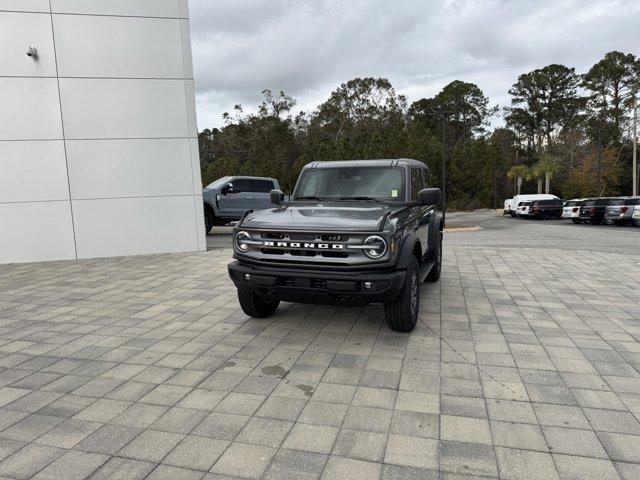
[(241, 239), (377, 246)]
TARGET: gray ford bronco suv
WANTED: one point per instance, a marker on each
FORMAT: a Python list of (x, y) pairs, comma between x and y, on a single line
[(353, 233)]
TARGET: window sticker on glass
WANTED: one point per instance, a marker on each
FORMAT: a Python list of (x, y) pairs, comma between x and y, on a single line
[(394, 193)]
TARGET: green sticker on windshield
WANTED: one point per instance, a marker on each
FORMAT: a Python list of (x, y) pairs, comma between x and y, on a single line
[(394, 193)]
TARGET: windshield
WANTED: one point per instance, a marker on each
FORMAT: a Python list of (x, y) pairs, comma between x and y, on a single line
[(218, 183), (384, 183)]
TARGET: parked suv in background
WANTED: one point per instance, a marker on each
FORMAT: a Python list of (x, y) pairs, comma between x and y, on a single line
[(229, 198), (636, 215), (546, 209), (523, 209), (620, 210), (571, 209), (592, 210)]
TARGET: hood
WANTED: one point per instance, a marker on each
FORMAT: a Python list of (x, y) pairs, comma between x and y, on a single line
[(320, 216)]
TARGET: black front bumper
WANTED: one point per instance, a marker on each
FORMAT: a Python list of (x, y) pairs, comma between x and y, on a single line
[(312, 286)]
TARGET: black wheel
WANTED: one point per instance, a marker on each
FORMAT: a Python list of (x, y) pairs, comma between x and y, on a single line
[(512, 214), (402, 314), (256, 306), (434, 274), (209, 220), (576, 220), (547, 215)]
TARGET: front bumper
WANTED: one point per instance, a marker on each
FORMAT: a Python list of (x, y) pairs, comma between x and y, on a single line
[(312, 286)]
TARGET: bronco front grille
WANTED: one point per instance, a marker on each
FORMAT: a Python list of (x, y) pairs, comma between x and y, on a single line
[(308, 248)]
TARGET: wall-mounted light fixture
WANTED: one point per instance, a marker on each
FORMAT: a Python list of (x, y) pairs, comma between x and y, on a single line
[(33, 53)]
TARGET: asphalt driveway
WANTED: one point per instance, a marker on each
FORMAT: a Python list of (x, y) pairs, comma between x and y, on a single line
[(524, 365)]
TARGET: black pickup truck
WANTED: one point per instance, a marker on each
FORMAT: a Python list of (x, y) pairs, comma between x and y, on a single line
[(353, 233)]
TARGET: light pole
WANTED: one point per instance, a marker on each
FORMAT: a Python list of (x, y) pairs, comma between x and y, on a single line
[(635, 144), (444, 167)]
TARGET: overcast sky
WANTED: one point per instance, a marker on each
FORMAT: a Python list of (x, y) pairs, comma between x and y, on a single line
[(307, 48)]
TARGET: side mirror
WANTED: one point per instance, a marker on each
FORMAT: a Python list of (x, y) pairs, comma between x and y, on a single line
[(228, 188), (430, 196), (276, 196)]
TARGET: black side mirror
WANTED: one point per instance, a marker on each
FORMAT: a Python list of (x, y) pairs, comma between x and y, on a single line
[(430, 196), (276, 196), (228, 188)]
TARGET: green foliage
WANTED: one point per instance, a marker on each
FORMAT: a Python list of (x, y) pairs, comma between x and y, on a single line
[(476, 171), (544, 101), (611, 83)]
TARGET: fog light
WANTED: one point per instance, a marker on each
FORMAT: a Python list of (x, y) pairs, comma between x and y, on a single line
[(367, 285), (246, 277)]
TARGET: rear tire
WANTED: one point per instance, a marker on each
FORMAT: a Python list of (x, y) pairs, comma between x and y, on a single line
[(434, 274), (547, 215), (402, 314), (255, 306)]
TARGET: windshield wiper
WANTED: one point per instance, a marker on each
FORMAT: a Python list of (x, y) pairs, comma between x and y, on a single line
[(312, 197), (372, 199)]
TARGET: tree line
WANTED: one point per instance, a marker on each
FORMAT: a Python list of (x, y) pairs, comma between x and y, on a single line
[(564, 132)]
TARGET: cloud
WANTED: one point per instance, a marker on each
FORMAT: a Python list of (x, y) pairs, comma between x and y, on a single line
[(307, 48)]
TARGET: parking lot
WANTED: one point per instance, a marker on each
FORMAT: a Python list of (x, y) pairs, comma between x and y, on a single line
[(525, 364)]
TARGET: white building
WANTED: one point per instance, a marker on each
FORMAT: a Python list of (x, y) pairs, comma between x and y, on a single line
[(98, 136)]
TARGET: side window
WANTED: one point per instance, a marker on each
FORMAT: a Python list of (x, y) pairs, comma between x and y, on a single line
[(262, 186), (416, 182), (426, 178), (241, 185)]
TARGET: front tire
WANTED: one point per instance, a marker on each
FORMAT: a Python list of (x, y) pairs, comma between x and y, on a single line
[(402, 314), (255, 306)]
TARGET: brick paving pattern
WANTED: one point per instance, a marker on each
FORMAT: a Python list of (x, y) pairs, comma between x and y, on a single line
[(523, 366)]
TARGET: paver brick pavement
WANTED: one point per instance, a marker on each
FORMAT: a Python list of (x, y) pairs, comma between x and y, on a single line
[(145, 367)]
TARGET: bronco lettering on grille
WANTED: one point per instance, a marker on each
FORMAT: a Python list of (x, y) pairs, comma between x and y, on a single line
[(320, 246)]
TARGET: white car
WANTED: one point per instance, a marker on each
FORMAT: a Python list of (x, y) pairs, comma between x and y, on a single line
[(523, 208), (571, 209), (636, 215), (515, 202), (507, 205)]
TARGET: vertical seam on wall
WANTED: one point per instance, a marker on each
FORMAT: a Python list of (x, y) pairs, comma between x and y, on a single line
[(64, 137), (186, 106)]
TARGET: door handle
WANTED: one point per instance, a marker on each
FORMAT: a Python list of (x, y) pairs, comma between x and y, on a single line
[(247, 198)]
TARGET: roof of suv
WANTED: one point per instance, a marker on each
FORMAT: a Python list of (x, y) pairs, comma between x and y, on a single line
[(392, 162), (248, 177)]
